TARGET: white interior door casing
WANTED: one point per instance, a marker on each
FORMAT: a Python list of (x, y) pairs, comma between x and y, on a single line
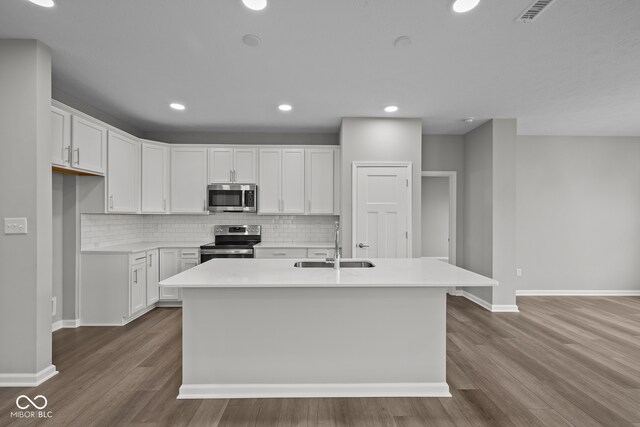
[(381, 214)]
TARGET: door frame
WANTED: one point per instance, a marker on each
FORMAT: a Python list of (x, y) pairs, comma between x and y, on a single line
[(453, 191), (354, 191)]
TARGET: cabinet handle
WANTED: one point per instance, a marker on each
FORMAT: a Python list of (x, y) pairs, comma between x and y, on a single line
[(68, 160), (189, 253), (135, 273), (150, 260), (320, 253), (77, 150), (230, 175), (164, 205), (308, 205), (110, 202), (279, 254), (204, 205)]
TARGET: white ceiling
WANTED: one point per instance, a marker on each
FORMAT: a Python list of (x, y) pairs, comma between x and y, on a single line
[(574, 71)]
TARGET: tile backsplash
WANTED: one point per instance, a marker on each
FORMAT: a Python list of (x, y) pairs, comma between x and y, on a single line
[(107, 230)]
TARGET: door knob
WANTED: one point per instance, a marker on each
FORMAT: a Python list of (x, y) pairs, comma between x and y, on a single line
[(362, 245)]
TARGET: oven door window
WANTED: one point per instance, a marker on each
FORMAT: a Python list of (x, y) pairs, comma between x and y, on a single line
[(225, 198)]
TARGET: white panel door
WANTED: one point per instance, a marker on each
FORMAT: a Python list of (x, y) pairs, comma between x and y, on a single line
[(169, 266), (293, 181), (155, 178), (382, 208), (320, 177), (220, 165), (153, 271), (60, 137), (188, 180), (269, 200), (137, 297), (123, 177), (244, 165), (89, 142)]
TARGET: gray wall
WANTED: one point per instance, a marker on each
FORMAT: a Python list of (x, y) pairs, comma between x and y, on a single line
[(373, 139), (578, 213), (253, 138), (504, 211), (446, 153), (58, 250), (25, 170), (478, 205), (435, 216)]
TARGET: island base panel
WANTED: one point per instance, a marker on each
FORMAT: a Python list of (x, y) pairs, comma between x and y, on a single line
[(314, 342)]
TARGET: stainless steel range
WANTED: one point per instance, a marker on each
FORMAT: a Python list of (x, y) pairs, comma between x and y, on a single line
[(232, 241)]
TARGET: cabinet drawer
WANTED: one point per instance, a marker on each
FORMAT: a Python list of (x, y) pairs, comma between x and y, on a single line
[(281, 253), (189, 253), (320, 253), (138, 257)]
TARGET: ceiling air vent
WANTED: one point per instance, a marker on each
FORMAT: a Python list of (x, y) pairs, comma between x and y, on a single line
[(533, 11)]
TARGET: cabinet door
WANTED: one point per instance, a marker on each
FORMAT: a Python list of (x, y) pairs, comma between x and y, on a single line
[(319, 181), (220, 165), (153, 271), (281, 253), (244, 165), (60, 137), (269, 200), (137, 297), (155, 178), (293, 181), (186, 264), (189, 180), (123, 176), (169, 266), (89, 141)]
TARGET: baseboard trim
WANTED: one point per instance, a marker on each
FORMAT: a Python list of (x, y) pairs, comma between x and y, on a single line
[(494, 308), (582, 293), (258, 391), (27, 380), (169, 304), (64, 324)]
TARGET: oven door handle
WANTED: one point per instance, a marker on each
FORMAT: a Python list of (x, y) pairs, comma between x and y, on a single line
[(226, 251)]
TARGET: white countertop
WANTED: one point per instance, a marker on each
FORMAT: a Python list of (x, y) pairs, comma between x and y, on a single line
[(141, 246), (280, 273), (294, 245)]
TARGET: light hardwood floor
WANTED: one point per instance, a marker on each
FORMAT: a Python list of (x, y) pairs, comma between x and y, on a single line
[(561, 361)]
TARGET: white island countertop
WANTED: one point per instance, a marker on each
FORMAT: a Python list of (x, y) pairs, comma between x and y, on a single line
[(280, 273)]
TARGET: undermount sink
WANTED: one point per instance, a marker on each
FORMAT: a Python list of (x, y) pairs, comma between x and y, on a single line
[(343, 264)]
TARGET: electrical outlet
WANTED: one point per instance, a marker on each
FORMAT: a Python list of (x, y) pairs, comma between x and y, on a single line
[(518, 272), (15, 226), (54, 305)]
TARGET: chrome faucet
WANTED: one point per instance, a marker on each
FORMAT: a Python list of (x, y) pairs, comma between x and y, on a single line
[(337, 255)]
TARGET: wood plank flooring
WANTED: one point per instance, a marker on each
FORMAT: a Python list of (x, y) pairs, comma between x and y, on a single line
[(561, 361)]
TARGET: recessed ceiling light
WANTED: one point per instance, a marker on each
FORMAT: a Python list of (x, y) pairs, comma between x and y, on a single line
[(402, 41), (255, 4), (177, 106), (462, 6), (391, 109), (251, 40), (469, 120), (285, 107), (43, 3)]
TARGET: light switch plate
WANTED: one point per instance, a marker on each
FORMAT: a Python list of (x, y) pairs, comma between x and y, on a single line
[(15, 226)]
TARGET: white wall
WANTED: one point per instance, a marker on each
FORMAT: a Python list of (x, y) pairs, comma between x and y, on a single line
[(374, 139), (435, 217), (58, 247), (25, 172), (478, 205), (578, 213), (253, 138), (446, 153)]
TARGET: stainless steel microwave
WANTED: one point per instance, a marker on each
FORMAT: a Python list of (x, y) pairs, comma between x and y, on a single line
[(232, 197)]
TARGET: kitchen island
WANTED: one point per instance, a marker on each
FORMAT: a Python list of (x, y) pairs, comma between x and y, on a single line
[(264, 328)]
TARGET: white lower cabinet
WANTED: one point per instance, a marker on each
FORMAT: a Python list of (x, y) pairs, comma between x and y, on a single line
[(281, 253), (172, 262), (153, 275), (138, 283), (320, 253)]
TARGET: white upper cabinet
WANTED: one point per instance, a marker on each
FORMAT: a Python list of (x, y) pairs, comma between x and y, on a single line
[(155, 178), (293, 181), (60, 137), (281, 184), (123, 175), (320, 180), (269, 183), (89, 142), (232, 165), (189, 180)]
